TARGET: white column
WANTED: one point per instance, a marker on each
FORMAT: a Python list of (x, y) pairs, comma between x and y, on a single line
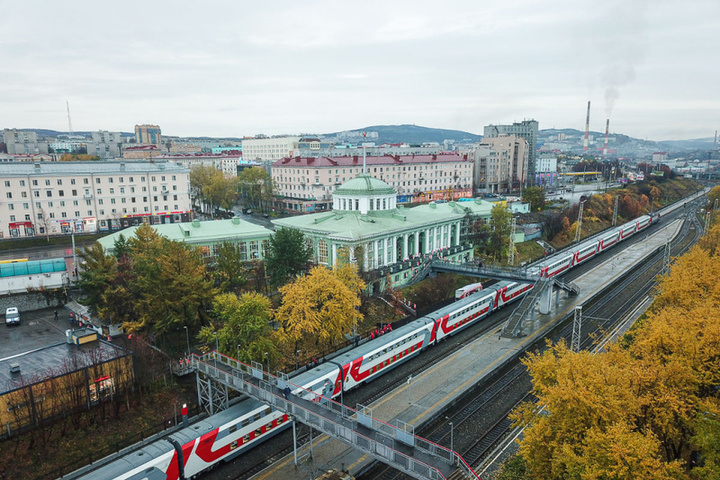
[(417, 242), (457, 234), (393, 257), (365, 254), (334, 254), (431, 240), (380, 261), (405, 247)]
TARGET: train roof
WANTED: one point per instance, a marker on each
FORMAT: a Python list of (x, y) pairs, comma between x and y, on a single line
[(130, 461), (325, 367), (217, 420)]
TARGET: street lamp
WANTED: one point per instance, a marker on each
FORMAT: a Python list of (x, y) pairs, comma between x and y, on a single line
[(452, 435), (187, 337), (268, 361)]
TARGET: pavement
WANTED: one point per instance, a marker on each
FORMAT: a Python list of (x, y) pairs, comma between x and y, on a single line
[(36, 330), (433, 390)]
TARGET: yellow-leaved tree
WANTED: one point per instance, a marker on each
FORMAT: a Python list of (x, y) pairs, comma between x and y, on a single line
[(318, 309)]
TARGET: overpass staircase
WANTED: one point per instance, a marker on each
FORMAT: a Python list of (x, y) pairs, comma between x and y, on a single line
[(396, 446)]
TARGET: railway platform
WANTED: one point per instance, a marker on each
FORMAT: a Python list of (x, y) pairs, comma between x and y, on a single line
[(426, 394)]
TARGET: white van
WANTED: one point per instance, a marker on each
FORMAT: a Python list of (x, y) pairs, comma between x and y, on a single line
[(12, 316)]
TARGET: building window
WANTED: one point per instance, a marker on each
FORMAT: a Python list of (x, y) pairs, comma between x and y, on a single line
[(72, 181), (23, 194), (8, 194), (77, 213), (322, 252), (74, 193), (61, 193), (86, 181), (11, 206), (34, 183), (52, 215), (97, 180), (36, 194), (7, 183), (22, 183), (25, 206), (49, 193)]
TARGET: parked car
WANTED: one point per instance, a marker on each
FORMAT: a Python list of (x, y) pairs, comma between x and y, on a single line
[(12, 316)]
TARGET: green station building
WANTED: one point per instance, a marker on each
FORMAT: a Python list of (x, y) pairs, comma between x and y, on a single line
[(393, 239)]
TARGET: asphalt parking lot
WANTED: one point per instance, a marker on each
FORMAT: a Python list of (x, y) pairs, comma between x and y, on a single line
[(37, 329)]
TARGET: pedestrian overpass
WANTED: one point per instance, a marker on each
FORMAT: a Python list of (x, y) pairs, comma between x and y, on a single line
[(396, 446)]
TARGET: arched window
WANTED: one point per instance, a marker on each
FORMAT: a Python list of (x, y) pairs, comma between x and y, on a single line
[(322, 252)]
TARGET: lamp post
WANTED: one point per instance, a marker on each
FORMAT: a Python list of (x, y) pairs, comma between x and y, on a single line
[(452, 435), (187, 337), (268, 361), (238, 353)]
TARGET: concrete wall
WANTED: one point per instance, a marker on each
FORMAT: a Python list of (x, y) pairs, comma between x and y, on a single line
[(27, 302), (38, 281)]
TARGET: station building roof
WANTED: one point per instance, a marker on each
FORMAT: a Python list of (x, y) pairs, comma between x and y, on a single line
[(351, 226), (199, 233)]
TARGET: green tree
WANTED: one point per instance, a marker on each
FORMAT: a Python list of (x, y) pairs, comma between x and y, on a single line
[(98, 273), (210, 189), (318, 309), (535, 196), (228, 269), (501, 225), (287, 255), (243, 327), (256, 188)]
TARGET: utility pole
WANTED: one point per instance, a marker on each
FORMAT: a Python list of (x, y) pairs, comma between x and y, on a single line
[(579, 223), (615, 210), (511, 252), (577, 329)]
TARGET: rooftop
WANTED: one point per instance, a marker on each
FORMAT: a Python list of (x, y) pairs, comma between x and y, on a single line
[(213, 231), (53, 360), (357, 160), (351, 226), (88, 168), (364, 184)]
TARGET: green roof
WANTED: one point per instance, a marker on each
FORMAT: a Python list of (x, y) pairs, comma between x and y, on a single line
[(365, 185), (352, 226), (197, 232)]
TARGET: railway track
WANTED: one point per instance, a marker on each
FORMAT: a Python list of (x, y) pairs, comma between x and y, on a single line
[(625, 293)]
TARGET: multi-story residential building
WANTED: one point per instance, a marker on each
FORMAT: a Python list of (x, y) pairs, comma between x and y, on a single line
[(306, 184), (501, 164), (313, 147), (546, 163), (228, 164), (21, 142), (142, 151), (527, 129), (62, 197), (69, 146), (269, 149), (106, 144), (148, 135)]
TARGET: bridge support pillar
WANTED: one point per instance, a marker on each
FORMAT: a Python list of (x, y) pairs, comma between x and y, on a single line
[(213, 396), (546, 300)]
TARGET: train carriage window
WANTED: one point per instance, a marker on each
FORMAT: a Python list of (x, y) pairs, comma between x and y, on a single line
[(232, 429), (256, 417), (268, 411), (233, 445), (246, 422), (280, 420), (246, 438), (258, 432), (268, 426)]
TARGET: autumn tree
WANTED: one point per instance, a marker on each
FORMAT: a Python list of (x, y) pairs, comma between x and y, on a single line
[(535, 196), (318, 309), (647, 407), (228, 268), (256, 188), (210, 189), (99, 271), (713, 196), (243, 327), (501, 225), (287, 255)]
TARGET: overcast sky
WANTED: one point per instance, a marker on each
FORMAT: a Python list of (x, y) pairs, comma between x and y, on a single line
[(239, 68)]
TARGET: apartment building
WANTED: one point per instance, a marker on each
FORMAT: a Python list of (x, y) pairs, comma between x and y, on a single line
[(269, 149), (306, 184), (105, 144), (501, 164), (63, 197), (527, 129), (148, 135), (228, 164), (21, 142)]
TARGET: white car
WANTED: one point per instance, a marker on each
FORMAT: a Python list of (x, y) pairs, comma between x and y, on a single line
[(12, 316)]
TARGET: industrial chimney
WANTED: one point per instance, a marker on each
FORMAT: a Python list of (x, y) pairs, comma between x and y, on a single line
[(607, 134), (587, 129)]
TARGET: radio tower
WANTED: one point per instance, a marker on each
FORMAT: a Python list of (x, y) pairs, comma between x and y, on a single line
[(70, 130), (587, 129)]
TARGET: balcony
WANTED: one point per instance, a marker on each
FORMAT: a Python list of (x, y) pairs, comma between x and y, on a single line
[(88, 196)]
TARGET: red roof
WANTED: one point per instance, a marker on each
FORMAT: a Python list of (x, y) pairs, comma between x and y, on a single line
[(355, 160)]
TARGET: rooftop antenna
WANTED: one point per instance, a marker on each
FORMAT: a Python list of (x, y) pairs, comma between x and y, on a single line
[(70, 130)]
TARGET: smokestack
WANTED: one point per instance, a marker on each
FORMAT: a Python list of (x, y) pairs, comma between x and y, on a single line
[(607, 134), (587, 129)]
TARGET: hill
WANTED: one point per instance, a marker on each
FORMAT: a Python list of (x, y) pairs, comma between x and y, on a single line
[(412, 134)]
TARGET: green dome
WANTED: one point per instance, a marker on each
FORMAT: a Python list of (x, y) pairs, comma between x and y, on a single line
[(364, 185)]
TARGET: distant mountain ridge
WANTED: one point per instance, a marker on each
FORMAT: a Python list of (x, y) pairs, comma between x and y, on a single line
[(412, 134)]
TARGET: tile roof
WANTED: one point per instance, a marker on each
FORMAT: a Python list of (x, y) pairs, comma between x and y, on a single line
[(356, 160), (88, 168)]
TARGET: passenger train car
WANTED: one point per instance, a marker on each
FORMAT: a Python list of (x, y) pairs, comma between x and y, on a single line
[(225, 435), (463, 292)]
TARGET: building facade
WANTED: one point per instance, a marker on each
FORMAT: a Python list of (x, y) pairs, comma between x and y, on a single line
[(148, 135), (269, 149), (105, 144), (228, 163), (527, 129), (306, 184), (64, 197), (381, 235), (501, 164), (21, 142)]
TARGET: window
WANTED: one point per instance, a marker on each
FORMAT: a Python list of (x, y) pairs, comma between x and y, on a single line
[(110, 179), (23, 194), (40, 216), (36, 194), (25, 206), (49, 193), (50, 204), (122, 180), (63, 214), (47, 182), (11, 206), (89, 213), (322, 252), (86, 181), (88, 202), (112, 191), (12, 218), (131, 179), (100, 201), (34, 183), (62, 203), (75, 202), (22, 183), (52, 215), (61, 193), (72, 181), (122, 190), (7, 183), (27, 217), (112, 200), (8, 194), (74, 193), (77, 213), (97, 180)]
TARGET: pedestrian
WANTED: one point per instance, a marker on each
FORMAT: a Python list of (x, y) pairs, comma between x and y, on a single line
[(72, 319), (286, 392), (56, 315)]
